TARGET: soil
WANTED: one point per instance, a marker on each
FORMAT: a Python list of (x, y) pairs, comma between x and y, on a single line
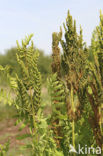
[(8, 131)]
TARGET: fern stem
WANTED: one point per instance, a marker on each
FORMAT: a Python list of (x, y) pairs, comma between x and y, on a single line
[(34, 123), (73, 122)]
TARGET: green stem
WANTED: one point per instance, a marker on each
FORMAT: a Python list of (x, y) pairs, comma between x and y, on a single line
[(34, 123), (73, 122)]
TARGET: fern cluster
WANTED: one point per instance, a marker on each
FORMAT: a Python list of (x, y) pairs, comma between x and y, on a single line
[(28, 101), (83, 84), (75, 87)]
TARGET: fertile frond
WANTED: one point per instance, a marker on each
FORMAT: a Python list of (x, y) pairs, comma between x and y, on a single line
[(56, 53)]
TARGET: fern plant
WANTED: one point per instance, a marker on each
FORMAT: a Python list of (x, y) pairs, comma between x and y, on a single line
[(28, 87), (96, 85), (82, 88), (57, 90), (28, 101), (75, 66)]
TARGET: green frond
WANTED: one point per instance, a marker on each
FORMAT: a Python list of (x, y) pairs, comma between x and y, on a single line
[(25, 99), (57, 91)]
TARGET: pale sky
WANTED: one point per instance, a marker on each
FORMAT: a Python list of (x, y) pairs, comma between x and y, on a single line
[(43, 17)]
